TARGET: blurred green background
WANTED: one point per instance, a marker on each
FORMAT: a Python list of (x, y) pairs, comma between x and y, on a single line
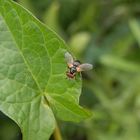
[(105, 33)]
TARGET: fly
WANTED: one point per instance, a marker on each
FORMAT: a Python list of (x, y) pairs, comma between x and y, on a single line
[(75, 66)]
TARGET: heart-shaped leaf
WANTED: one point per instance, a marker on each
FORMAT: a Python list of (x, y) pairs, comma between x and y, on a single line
[(33, 84)]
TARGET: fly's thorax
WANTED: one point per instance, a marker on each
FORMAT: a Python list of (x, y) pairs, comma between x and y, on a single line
[(75, 64), (73, 70)]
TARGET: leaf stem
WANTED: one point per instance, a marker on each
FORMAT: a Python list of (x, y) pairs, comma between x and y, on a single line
[(57, 134)]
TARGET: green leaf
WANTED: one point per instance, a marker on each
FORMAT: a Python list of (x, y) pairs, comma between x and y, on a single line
[(135, 28), (120, 63), (51, 16), (33, 84)]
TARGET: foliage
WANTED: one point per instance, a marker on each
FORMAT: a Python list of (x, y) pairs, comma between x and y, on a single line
[(106, 34), (33, 83)]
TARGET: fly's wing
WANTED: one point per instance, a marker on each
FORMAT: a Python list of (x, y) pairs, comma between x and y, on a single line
[(69, 59), (84, 67)]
